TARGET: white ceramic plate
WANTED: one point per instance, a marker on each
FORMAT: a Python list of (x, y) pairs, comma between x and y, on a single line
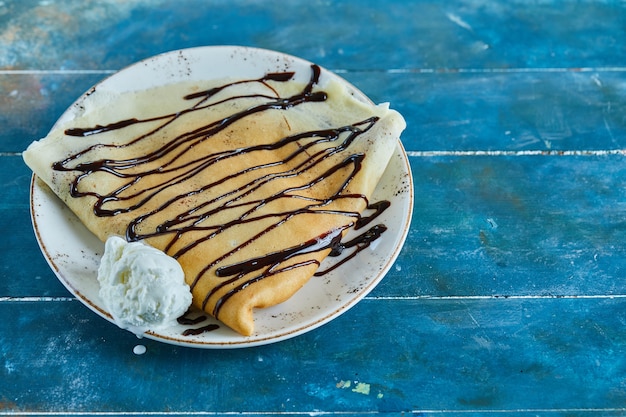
[(74, 253)]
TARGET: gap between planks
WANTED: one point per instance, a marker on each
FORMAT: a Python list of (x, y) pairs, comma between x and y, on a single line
[(555, 152), (531, 152), (35, 299), (533, 411), (414, 70)]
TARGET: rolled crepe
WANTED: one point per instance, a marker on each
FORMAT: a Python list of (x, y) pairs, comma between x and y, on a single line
[(249, 184)]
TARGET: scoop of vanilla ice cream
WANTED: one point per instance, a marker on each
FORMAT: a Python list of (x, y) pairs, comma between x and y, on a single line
[(142, 287)]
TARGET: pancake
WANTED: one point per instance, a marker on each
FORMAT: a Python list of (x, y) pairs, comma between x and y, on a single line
[(248, 184)]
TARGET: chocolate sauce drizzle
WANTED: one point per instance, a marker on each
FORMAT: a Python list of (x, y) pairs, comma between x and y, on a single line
[(185, 320), (164, 161)]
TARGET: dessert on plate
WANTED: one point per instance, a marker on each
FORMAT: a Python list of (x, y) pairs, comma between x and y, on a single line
[(247, 183)]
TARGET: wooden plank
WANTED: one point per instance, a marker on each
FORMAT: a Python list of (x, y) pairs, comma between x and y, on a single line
[(482, 226), (382, 356), (513, 111), (339, 34), (511, 225)]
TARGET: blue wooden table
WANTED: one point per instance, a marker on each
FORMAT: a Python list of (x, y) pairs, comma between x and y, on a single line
[(510, 293)]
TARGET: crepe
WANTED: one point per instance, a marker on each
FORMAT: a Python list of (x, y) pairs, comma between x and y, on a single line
[(249, 184)]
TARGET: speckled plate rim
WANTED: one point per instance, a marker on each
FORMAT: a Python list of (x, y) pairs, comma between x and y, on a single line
[(73, 252)]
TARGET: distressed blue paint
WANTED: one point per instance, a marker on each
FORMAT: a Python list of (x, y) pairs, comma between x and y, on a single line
[(450, 355), (23, 271), (340, 34), (446, 111), (532, 225), (32, 103), (505, 110), (509, 293)]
